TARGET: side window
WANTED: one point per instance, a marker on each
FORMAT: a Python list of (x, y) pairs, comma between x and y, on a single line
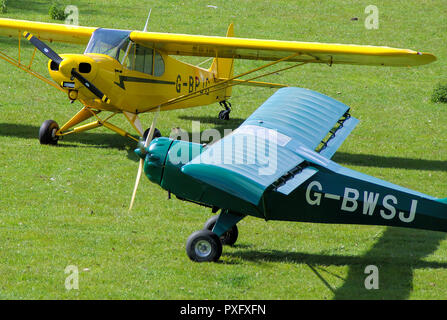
[(148, 61), (140, 53), (139, 59), (159, 65)]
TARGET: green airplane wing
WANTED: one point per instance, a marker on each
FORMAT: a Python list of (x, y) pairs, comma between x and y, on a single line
[(264, 150)]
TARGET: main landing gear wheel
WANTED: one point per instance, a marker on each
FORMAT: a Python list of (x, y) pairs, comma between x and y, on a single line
[(225, 114), (157, 134), (47, 132), (229, 238), (203, 246)]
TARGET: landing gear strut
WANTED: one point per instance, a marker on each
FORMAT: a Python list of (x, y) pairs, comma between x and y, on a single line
[(206, 245), (225, 114), (229, 237)]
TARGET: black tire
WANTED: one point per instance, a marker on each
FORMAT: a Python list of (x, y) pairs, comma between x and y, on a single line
[(157, 134), (229, 238), (47, 132), (203, 246), (224, 115)]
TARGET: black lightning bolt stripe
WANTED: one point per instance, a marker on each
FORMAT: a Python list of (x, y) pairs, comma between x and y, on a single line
[(141, 80)]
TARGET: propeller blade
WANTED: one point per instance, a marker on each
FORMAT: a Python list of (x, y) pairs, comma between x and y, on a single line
[(90, 86), (140, 167), (137, 181), (151, 130), (53, 56), (42, 47)]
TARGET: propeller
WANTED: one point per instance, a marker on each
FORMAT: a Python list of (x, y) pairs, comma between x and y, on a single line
[(42, 47), (90, 86), (140, 167), (57, 59)]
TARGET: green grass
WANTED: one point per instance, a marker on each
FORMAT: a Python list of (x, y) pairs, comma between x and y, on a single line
[(67, 205)]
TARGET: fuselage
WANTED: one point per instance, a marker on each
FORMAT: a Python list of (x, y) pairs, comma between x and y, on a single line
[(135, 78), (343, 197)]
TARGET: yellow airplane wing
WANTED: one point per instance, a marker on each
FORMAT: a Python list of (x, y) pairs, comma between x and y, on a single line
[(272, 50), (230, 47), (46, 31)]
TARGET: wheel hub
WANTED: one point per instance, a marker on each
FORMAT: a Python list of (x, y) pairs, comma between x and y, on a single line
[(202, 248)]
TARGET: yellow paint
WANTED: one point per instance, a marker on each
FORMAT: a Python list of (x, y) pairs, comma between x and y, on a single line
[(172, 84), (85, 127), (82, 115), (47, 31), (256, 49)]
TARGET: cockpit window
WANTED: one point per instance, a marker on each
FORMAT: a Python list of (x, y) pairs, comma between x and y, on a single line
[(143, 59), (108, 41), (159, 65)]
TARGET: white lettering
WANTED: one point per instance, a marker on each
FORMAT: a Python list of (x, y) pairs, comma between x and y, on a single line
[(347, 199), (197, 310), (72, 281), (410, 218), (372, 280), (389, 207), (72, 15), (317, 199), (372, 21), (369, 202)]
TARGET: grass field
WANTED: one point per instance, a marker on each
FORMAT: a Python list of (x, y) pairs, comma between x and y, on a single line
[(67, 205)]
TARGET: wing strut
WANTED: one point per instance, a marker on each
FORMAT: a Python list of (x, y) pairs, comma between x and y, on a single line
[(27, 68), (229, 82)]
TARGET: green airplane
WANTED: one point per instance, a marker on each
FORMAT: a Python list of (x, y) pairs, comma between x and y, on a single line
[(276, 166)]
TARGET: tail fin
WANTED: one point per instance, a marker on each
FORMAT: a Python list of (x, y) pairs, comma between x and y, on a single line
[(223, 67)]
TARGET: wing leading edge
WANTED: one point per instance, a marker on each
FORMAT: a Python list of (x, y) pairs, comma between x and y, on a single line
[(273, 50)]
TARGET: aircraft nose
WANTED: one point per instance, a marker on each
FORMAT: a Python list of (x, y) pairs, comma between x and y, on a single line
[(66, 66), (80, 63)]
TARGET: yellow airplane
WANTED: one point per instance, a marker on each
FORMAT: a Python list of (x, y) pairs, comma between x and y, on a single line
[(131, 72)]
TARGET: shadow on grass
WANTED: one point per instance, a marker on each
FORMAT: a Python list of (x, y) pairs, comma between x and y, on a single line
[(369, 160), (341, 157), (396, 254), (111, 140), (94, 139), (219, 125), (87, 139)]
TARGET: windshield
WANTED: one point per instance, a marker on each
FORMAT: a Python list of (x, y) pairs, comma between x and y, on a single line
[(109, 42)]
